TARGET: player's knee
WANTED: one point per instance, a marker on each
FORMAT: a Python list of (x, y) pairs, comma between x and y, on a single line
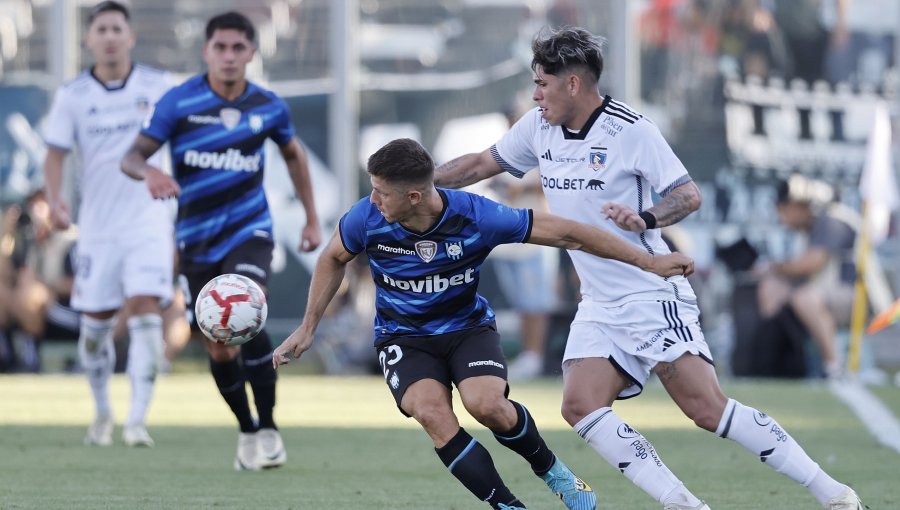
[(704, 413), (222, 353), (430, 415), (573, 409), (487, 409)]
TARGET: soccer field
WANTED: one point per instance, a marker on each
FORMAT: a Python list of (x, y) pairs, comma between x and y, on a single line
[(349, 448)]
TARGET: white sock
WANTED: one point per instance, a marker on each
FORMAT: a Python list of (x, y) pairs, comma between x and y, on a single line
[(97, 355), (144, 351), (634, 456), (764, 437)]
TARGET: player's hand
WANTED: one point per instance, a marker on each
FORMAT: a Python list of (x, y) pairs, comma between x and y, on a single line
[(672, 264), (310, 237), (161, 186), (624, 217), (292, 348), (60, 217)]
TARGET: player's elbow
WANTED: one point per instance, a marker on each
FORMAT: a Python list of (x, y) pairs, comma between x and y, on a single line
[(693, 198)]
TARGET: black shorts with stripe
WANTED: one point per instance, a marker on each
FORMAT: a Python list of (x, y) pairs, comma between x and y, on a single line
[(448, 358)]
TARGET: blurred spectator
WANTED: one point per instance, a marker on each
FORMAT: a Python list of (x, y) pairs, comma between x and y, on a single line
[(44, 283), (37, 273), (862, 41), (526, 274), (806, 36), (8, 228), (817, 284), (751, 43)]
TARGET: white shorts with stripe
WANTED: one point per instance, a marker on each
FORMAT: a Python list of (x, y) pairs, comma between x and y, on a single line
[(635, 336), (107, 271)]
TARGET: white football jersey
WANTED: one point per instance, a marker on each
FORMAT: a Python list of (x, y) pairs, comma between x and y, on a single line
[(103, 121), (618, 156)]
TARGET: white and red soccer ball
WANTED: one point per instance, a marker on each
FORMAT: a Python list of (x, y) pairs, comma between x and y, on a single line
[(231, 309)]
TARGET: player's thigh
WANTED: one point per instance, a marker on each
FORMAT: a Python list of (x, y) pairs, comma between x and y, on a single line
[(253, 259), (98, 270), (404, 364), (429, 402), (589, 384), (148, 265)]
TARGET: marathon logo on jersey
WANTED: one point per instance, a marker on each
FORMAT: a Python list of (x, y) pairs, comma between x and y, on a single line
[(426, 250), (598, 158), (432, 284), (395, 249), (230, 117), (232, 159), (454, 250)]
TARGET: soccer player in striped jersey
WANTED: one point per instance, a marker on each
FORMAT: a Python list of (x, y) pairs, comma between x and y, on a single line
[(425, 248), (598, 161), (216, 125), (125, 247)]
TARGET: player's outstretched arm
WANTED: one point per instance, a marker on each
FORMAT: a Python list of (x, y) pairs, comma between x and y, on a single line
[(298, 167), (326, 279), (466, 170), (135, 165), (552, 230), (53, 169), (673, 208)]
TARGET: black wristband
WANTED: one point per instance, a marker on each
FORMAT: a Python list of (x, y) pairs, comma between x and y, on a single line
[(648, 218)]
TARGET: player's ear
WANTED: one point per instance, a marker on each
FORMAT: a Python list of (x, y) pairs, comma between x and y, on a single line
[(414, 196), (574, 83)]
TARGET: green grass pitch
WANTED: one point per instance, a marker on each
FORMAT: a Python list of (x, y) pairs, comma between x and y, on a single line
[(349, 448)]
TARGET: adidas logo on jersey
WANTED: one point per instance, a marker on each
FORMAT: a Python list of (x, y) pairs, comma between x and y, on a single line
[(433, 283), (232, 159)]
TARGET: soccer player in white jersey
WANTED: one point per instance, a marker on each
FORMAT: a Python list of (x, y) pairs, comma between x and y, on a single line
[(598, 160), (126, 247)]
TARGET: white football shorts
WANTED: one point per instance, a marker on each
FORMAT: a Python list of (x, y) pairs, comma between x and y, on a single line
[(635, 336), (108, 271)]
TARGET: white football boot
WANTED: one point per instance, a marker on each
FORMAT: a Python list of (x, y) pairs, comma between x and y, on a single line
[(247, 456), (846, 501), (271, 449), (100, 432), (136, 435), (676, 506)]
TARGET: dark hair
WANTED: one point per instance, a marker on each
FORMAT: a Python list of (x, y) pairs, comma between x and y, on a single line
[(231, 20), (107, 6), (568, 49), (402, 161), (803, 190)]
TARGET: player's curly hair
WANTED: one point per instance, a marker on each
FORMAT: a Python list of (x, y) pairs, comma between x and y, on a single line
[(402, 161), (568, 49)]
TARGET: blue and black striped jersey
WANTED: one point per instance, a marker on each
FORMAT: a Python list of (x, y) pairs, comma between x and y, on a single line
[(427, 283), (218, 157)]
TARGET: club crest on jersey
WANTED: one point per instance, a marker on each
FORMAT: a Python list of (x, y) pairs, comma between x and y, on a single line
[(426, 250), (454, 250), (230, 117), (598, 158), (256, 123)]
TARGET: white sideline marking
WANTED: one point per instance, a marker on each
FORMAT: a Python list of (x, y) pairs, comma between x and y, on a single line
[(871, 411)]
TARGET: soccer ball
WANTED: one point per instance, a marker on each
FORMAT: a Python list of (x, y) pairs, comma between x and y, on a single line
[(231, 309)]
